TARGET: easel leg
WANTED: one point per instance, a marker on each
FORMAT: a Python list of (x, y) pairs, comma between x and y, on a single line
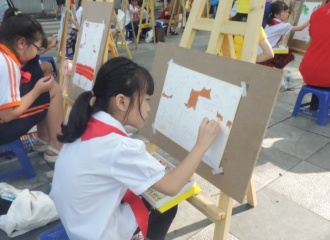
[(221, 229), (251, 194)]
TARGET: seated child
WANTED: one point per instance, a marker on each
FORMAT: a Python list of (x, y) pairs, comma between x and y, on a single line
[(99, 165), (27, 98), (276, 28)]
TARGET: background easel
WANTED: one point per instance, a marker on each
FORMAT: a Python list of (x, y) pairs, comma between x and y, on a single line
[(221, 38), (89, 9), (177, 8), (236, 182), (125, 9), (63, 38), (148, 7)]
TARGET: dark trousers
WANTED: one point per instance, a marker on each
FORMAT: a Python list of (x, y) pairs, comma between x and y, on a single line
[(159, 223)]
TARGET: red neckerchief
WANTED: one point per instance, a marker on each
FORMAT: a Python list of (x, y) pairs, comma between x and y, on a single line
[(96, 128), (25, 77), (275, 22)]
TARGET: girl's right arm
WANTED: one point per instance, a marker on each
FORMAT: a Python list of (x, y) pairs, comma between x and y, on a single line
[(173, 182), (43, 85), (301, 27)]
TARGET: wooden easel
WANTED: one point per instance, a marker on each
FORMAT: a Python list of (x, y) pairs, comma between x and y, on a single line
[(125, 8), (177, 8), (111, 42), (149, 6), (62, 43), (67, 100), (221, 38)]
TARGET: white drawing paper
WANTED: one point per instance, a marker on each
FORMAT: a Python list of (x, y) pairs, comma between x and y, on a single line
[(89, 50), (306, 12), (189, 96)]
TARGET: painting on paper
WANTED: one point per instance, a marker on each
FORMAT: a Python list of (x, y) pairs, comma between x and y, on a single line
[(89, 50), (307, 9), (189, 96)]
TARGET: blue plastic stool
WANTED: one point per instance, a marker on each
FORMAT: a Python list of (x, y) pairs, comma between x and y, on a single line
[(57, 233), (51, 61), (322, 115), (18, 149)]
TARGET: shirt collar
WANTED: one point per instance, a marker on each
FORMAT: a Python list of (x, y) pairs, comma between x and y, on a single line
[(109, 120)]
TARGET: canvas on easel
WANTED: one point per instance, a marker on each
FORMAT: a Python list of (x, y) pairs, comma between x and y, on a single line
[(299, 41), (91, 46)]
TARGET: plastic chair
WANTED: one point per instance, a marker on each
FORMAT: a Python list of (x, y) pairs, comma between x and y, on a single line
[(51, 61), (322, 115), (57, 233), (18, 149)]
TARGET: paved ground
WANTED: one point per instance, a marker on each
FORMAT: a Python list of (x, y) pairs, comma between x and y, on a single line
[(292, 175)]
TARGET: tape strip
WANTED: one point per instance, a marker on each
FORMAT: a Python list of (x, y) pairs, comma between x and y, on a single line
[(217, 170), (244, 90)]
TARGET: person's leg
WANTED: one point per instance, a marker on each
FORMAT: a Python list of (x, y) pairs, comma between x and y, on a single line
[(54, 118), (47, 68), (159, 223)]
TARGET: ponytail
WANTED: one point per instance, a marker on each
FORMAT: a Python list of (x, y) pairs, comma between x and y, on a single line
[(118, 75), (276, 8), (79, 116)]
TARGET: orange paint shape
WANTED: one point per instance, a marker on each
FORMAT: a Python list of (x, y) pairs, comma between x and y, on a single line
[(219, 116), (166, 96), (229, 124), (192, 101), (86, 71)]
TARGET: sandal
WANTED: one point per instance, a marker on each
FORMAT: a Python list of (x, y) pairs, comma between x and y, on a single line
[(51, 158), (40, 148)]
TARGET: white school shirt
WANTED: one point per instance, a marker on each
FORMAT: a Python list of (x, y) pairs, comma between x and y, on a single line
[(275, 32), (91, 178), (129, 15), (9, 82)]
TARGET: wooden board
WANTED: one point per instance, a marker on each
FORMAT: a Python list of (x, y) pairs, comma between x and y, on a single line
[(103, 10), (299, 41), (251, 119)]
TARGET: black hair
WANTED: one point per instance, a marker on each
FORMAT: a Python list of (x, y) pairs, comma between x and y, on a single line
[(18, 25), (119, 75), (276, 8), (44, 43), (79, 3)]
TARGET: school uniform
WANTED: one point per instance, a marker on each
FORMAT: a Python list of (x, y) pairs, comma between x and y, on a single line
[(91, 177), (14, 85), (274, 32)]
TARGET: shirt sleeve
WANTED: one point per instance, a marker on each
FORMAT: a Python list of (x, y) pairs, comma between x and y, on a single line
[(263, 35), (9, 82), (133, 166)]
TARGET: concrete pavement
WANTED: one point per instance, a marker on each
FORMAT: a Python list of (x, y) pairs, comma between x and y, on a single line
[(292, 174)]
